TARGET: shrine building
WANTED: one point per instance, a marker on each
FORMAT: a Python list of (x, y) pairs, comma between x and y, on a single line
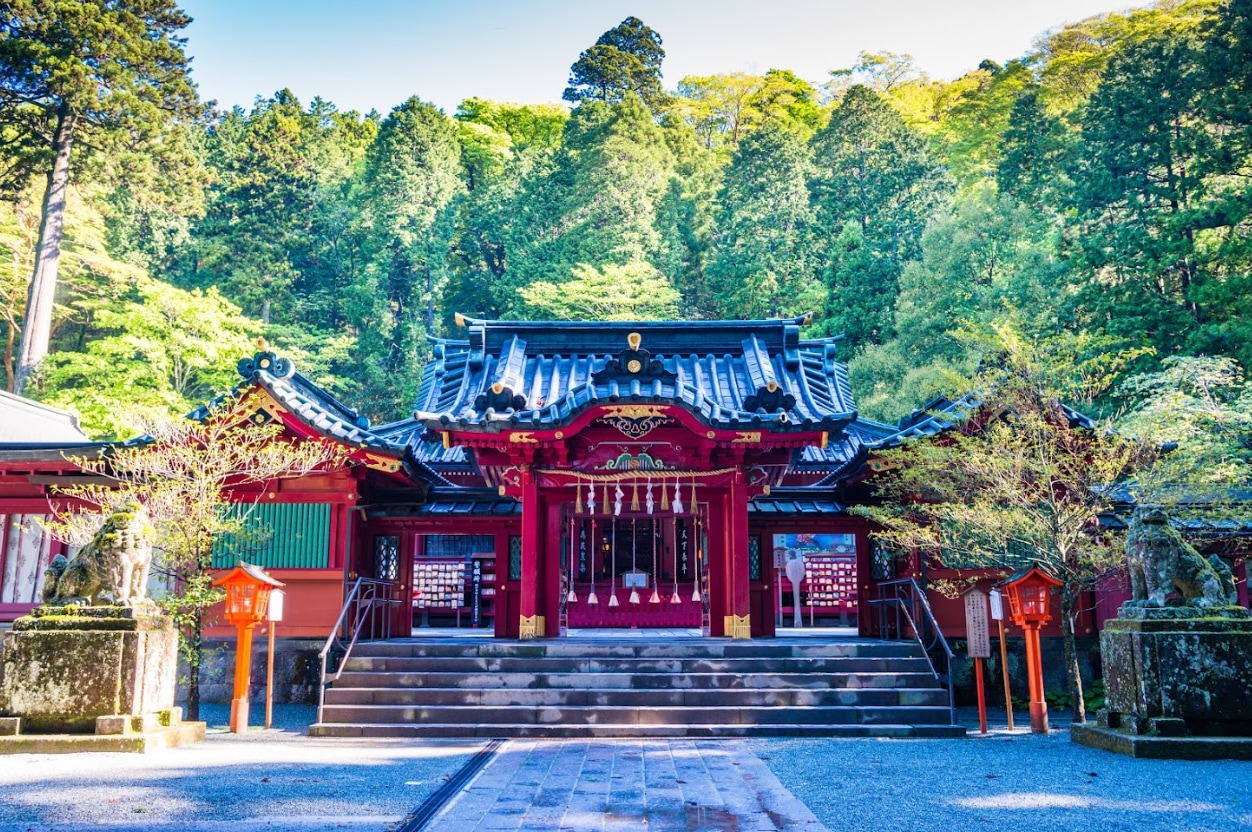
[(555, 475)]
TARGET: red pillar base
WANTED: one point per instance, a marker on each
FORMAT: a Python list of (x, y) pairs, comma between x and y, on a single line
[(239, 716), (1039, 717)]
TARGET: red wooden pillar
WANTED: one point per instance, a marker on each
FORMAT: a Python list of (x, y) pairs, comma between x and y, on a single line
[(738, 617), (715, 568), (550, 573), (530, 621)]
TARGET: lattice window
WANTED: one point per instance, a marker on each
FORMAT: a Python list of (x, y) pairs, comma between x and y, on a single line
[(387, 557), (515, 558), (754, 558)]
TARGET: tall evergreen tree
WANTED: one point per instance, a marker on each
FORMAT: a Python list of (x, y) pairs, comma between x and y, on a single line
[(599, 205), (412, 177), (625, 59), (75, 72), (761, 266), (875, 186), (1140, 192)]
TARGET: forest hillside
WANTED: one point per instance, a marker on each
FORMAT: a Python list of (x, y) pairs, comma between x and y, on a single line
[(1095, 193)]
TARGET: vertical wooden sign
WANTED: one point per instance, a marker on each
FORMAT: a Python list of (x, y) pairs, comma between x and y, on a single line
[(977, 624), (978, 639)]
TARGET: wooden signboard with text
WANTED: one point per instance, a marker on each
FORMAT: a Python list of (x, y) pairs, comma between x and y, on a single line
[(977, 624)]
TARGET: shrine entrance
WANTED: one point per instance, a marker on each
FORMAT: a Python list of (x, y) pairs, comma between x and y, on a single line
[(636, 570)]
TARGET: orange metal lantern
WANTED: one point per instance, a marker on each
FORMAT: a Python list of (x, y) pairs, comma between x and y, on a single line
[(248, 591), (1028, 593)]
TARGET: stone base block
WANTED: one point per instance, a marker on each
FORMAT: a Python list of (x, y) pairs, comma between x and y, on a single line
[(1163, 674), (1162, 748), (184, 733), (62, 671), (10, 726)]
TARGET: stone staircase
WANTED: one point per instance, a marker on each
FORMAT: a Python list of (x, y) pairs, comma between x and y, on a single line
[(597, 688)]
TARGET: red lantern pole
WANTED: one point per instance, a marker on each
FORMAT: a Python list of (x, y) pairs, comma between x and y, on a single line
[(1034, 676), (1027, 592), (247, 601), (243, 676)]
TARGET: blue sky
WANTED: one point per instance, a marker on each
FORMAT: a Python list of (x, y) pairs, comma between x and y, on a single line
[(373, 54)]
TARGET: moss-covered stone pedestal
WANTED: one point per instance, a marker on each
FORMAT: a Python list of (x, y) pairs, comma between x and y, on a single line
[(1177, 682), (92, 678)]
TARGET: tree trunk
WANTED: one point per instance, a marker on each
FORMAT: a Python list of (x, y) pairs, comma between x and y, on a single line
[(1078, 707), (43, 283), (195, 658)]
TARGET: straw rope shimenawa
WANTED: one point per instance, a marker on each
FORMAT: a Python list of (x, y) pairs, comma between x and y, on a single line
[(620, 476)]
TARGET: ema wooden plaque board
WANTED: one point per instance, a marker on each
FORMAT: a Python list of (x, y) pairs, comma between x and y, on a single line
[(977, 624)]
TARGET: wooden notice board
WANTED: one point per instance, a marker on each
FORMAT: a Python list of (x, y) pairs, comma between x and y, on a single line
[(977, 624)]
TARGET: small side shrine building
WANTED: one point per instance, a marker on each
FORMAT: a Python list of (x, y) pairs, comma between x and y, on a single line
[(555, 475)]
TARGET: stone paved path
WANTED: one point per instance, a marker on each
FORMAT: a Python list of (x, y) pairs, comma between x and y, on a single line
[(610, 786)]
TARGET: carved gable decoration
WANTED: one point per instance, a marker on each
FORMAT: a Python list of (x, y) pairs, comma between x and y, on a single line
[(635, 420), (633, 363)]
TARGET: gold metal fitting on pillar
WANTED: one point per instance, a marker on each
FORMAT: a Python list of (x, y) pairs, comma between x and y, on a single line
[(738, 627), (530, 627)]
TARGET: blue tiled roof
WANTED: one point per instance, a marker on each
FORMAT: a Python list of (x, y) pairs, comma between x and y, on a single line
[(315, 407), (942, 414), (730, 374)]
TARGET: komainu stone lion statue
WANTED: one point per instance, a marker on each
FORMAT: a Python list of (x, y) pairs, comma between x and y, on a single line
[(1160, 561), (113, 566)]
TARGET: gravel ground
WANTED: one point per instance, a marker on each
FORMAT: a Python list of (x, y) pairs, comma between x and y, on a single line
[(1006, 781), (274, 780)]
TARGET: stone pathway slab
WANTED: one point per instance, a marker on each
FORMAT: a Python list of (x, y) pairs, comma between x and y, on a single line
[(618, 785)]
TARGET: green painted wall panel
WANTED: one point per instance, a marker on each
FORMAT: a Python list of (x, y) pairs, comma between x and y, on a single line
[(282, 536)]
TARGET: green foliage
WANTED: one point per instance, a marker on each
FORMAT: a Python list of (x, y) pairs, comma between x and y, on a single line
[(1045, 190), (157, 351), (875, 186), (625, 60), (182, 475), (597, 204), (762, 239), (114, 67), (1018, 480), (1202, 407), (633, 292), (723, 109)]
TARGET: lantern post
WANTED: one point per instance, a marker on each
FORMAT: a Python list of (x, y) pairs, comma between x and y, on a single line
[(1028, 593), (247, 602)]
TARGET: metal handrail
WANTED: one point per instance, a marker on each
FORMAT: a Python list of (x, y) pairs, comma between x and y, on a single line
[(902, 595), (372, 600)]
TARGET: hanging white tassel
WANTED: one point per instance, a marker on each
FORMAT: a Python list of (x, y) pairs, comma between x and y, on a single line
[(695, 596), (617, 501), (656, 596), (634, 596), (591, 498), (648, 500), (674, 599), (613, 598), (572, 597), (591, 597)]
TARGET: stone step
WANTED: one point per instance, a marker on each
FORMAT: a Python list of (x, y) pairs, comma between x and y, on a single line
[(618, 715), (531, 730), (594, 648), (635, 665), (599, 697), (643, 681)]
